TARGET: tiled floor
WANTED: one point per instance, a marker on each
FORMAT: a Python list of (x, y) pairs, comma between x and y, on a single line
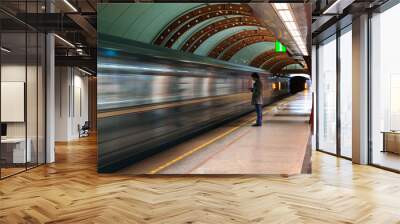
[(278, 147)]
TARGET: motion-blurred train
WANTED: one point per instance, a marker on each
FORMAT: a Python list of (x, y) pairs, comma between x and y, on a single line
[(150, 98)]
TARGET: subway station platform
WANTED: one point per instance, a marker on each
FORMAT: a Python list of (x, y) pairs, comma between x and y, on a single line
[(280, 146)]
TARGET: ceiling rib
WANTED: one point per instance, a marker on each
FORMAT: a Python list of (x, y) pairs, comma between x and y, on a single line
[(183, 23), (263, 57), (226, 43), (268, 64), (244, 43), (278, 66), (199, 37), (199, 41), (230, 46)]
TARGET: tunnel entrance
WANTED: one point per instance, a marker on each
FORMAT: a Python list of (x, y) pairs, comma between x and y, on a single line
[(299, 83)]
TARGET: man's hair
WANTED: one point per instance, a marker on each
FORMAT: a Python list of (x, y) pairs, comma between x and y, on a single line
[(255, 75)]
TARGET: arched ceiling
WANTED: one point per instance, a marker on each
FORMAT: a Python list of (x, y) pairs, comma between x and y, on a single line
[(292, 67), (185, 36), (248, 41), (270, 62), (223, 45), (227, 31), (193, 17), (277, 67), (248, 53), (202, 35), (218, 40), (141, 22), (263, 57)]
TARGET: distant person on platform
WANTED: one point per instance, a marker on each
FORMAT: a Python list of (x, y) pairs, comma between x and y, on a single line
[(257, 98)]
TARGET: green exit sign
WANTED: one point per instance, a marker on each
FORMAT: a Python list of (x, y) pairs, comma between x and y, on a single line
[(279, 47)]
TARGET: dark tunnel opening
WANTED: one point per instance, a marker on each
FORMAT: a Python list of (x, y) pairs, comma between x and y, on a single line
[(298, 84)]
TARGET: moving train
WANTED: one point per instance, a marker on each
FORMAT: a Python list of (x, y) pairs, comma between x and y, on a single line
[(150, 98)]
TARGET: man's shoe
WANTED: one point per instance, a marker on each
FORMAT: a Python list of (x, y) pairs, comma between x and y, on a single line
[(256, 125)]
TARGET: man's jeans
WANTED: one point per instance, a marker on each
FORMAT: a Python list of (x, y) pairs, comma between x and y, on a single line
[(259, 113)]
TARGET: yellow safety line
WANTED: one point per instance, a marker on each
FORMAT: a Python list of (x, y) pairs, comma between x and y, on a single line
[(201, 146)]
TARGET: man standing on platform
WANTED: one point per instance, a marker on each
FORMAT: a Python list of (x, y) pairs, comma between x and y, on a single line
[(257, 98)]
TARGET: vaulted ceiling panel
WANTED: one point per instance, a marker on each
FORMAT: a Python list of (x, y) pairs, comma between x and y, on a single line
[(228, 31), (185, 36), (205, 48), (141, 22), (247, 54)]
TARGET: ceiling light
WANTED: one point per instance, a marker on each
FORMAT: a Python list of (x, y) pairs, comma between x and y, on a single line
[(5, 50), (295, 33), (280, 6), (70, 5), (299, 40), (286, 15), (301, 43), (65, 41), (291, 25)]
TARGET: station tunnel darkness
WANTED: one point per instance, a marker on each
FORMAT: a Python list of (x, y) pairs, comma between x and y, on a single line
[(298, 84)]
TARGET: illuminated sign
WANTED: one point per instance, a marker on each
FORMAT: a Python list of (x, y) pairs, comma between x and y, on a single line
[(279, 47)]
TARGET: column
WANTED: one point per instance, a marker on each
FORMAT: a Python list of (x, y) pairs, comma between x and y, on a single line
[(50, 91), (50, 98), (360, 90)]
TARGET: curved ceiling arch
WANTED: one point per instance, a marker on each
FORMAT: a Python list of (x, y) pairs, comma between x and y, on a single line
[(203, 38), (150, 19), (244, 43), (183, 38), (202, 35), (227, 42), (293, 66), (182, 23), (206, 47), (276, 68), (273, 60), (263, 57), (247, 54)]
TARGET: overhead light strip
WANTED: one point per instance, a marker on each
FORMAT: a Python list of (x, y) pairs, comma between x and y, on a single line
[(70, 5), (65, 41), (285, 13), (5, 50), (281, 6)]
